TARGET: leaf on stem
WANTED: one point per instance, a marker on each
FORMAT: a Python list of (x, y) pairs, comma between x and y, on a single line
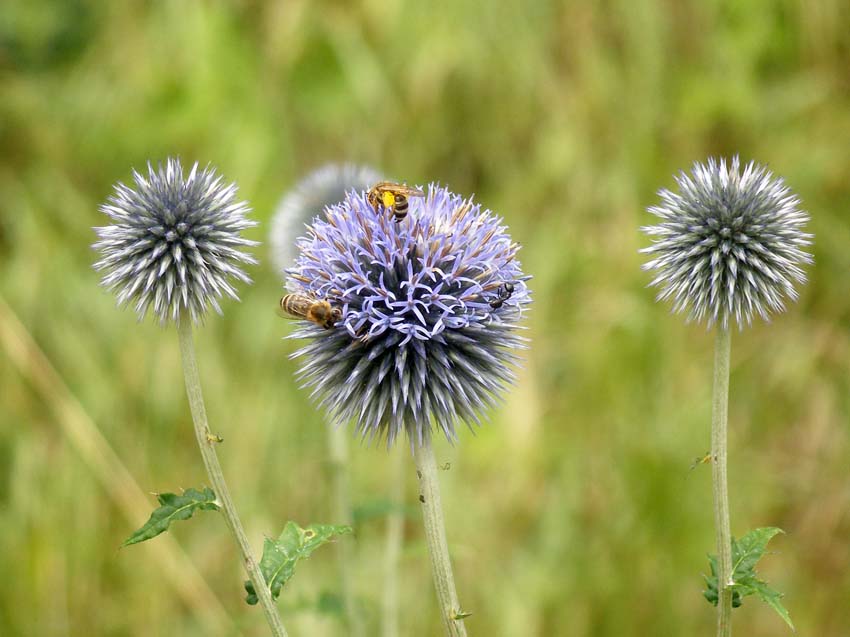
[(281, 555), (746, 553), (173, 507)]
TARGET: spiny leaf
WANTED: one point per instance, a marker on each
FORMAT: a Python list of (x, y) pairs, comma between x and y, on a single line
[(746, 553), (281, 555), (772, 598), (173, 507)]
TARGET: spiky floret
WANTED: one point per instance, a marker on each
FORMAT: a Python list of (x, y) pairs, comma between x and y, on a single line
[(174, 242), (420, 346), (730, 243), (323, 187)]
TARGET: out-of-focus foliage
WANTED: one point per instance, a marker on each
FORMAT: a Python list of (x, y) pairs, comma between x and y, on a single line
[(573, 510)]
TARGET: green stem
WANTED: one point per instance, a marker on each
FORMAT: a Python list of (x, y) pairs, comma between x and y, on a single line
[(207, 442), (435, 533), (338, 447), (719, 421), (392, 548)]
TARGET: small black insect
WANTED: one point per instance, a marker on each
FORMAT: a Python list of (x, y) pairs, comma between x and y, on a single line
[(503, 293)]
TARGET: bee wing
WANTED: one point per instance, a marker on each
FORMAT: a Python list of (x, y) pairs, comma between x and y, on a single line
[(410, 192), (284, 314)]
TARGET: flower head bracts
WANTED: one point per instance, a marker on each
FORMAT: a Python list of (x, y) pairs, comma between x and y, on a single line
[(730, 243), (422, 341), (174, 242)]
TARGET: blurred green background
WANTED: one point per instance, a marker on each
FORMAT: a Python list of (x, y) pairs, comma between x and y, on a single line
[(573, 512)]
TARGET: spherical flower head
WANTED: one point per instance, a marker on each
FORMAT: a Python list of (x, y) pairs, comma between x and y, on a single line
[(730, 243), (430, 307), (323, 187), (174, 242)]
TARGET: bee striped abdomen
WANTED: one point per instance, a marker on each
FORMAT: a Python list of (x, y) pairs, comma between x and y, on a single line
[(296, 304), (400, 208)]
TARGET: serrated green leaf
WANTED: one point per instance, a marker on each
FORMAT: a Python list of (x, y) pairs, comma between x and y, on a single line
[(747, 551), (752, 585), (281, 555), (173, 507), (773, 599)]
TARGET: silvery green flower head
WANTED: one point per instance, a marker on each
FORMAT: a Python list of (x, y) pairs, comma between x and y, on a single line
[(323, 187), (730, 243), (174, 245), (430, 306)]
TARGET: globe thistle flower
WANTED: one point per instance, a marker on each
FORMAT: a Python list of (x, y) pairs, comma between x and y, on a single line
[(427, 335), (174, 244), (730, 243), (323, 187)]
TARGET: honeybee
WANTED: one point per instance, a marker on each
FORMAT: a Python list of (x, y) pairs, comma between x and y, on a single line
[(319, 312), (503, 293), (393, 197)]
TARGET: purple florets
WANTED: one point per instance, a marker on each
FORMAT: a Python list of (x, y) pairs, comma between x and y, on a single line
[(427, 336)]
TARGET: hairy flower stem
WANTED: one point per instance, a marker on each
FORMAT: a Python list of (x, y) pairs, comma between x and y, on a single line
[(207, 442), (392, 548), (435, 533), (719, 420), (338, 447)]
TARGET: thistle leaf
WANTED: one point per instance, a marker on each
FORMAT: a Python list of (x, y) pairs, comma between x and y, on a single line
[(772, 598), (281, 555), (746, 553), (173, 507)]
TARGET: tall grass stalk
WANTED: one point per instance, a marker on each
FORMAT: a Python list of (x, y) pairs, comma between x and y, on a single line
[(206, 443)]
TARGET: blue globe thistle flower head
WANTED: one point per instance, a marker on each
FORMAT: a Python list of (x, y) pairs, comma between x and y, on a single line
[(730, 243), (430, 307), (174, 245), (323, 187)]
